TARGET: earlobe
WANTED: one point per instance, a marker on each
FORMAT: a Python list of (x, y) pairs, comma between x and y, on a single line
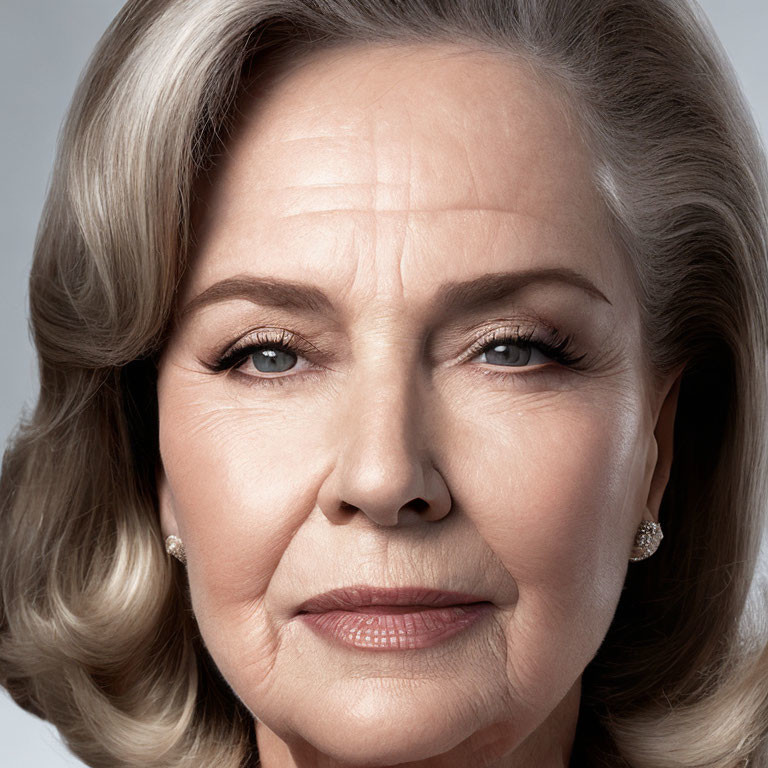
[(664, 438)]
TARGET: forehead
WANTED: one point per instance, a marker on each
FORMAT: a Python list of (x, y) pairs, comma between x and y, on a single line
[(442, 149)]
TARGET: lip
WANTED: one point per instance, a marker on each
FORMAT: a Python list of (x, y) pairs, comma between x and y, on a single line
[(363, 595), (386, 619)]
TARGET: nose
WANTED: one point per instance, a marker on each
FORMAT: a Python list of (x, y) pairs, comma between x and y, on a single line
[(384, 467)]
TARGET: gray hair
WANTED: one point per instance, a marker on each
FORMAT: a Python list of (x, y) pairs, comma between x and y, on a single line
[(96, 631)]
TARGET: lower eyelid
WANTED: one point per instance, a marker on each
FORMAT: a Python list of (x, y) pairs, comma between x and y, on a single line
[(498, 371), (276, 380)]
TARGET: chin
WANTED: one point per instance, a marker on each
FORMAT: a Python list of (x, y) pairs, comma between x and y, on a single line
[(397, 744), (384, 727)]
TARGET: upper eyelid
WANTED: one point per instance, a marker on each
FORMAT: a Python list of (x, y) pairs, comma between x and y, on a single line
[(289, 339), (278, 337), (514, 332)]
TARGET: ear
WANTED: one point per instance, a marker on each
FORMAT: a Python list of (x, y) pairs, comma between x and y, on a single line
[(166, 507), (664, 438)]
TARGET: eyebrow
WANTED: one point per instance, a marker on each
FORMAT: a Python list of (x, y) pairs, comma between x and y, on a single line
[(449, 296)]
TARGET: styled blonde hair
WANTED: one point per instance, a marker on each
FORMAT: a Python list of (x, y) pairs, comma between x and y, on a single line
[(96, 630)]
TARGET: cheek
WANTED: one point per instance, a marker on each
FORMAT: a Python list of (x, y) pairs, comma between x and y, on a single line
[(559, 512), (565, 487), (241, 486)]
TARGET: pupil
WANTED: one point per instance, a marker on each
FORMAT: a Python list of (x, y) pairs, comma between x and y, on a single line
[(507, 353), (269, 360)]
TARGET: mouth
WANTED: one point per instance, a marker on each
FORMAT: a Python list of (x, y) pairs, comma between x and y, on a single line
[(366, 596), (392, 619)]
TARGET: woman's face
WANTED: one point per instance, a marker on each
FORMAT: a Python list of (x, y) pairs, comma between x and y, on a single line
[(360, 392)]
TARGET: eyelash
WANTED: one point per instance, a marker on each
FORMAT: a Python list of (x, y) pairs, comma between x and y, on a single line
[(558, 347)]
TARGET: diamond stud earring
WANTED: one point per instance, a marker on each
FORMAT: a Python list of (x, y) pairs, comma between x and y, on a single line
[(175, 547), (647, 540)]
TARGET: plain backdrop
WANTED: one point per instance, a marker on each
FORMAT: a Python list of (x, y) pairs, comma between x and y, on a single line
[(44, 45)]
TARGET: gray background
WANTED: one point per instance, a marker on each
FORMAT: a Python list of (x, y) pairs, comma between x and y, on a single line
[(44, 45)]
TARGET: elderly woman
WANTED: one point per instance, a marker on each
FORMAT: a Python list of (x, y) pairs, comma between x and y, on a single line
[(406, 325)]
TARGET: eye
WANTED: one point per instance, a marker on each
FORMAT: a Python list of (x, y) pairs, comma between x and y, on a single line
[(278, 352), (272, 359), (265, 352), (510, 348), (513, 354)]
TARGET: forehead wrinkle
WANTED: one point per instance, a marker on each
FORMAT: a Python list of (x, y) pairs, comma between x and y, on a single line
[(398, 183), (392, 179), (369, 147), (300, 139), (443, 209), (369, 139)]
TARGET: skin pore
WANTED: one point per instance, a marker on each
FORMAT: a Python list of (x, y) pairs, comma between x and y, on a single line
[(402, 436)]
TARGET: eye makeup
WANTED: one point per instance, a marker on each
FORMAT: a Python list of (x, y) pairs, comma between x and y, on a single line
[(559, 348)]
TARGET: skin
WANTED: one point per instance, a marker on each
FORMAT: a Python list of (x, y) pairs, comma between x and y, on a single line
[(389, 456)]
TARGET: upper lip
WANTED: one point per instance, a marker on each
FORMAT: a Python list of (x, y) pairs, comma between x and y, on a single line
[(361, 595)]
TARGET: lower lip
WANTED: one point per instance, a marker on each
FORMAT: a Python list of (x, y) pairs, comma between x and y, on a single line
[(386, 628)]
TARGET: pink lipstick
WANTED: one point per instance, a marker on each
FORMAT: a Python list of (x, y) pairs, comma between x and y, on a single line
[(385, 619)]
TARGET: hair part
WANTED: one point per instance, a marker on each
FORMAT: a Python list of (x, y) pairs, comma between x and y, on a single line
[(97, 634)]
